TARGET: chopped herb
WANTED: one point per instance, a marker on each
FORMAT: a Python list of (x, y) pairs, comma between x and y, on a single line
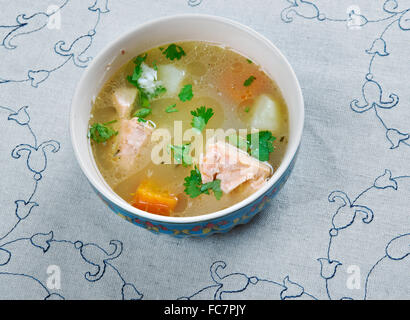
[(186, 93), (181, 154), (249, 81), (201, 117), (194, 187), (143, 99), (137, 70), (142, 113), (249, 61), (99, 132), (158, 91), (154, 65), (144, 96), (193, 183), (213, 185), (247, 109), (141, 120), (171, 108), (174, 52), (259, 144)]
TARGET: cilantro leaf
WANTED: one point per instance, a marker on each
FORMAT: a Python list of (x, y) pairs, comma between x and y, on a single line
[(201, 117), (99, 132), (142, 113), (133, 79), (215, 186), (143, 95), (203, 112), (186, 93), (249, 81), (181, 154), (194, 187), (174, 52), (171, 108), (198, 123), (193, 183), (261, 144)]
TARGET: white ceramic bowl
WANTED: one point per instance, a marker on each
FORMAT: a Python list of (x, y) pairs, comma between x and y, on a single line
[(167, 30)]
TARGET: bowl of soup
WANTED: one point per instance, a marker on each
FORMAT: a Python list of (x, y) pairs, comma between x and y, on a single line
[(187, 125)]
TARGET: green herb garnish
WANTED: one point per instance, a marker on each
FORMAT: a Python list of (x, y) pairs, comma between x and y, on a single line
[(99, 132), (174, 52), (247, 109), (201, 117), (186, 93), (171, 108), (249, 81), (249, 61), (133, 79), (194, 187), (181, 154), (142, 113), (144, 96), (259, 144), (215, 186)]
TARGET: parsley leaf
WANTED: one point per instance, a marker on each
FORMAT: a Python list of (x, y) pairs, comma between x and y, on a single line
[(215, 186), (181, 154), (186, 93), (99, 132), (143, 95), (193, 183), (249, 81), (174, 52), (171, 108), (261, 144), (137, 70), (198, 123), (201, 117), (194, 187), (142, 113), (249, 61), (247, 109)]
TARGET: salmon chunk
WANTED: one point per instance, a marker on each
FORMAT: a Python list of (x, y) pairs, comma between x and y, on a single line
[(133, 135), (232, 166), (123, 100)]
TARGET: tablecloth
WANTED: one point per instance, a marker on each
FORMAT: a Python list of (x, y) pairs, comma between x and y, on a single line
[(340, 227)]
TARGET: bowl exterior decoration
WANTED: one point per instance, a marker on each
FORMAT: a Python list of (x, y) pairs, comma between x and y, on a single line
[(205, 228)]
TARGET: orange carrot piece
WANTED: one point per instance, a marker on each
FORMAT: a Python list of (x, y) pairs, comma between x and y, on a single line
[(151, 199), (232, 85)]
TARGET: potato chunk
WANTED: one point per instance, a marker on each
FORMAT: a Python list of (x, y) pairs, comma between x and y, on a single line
[(266, 114), (171, 78)]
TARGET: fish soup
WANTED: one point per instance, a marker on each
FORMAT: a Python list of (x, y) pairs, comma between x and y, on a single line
[(188, 129)]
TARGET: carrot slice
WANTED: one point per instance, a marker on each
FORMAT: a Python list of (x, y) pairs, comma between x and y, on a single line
[(232, 85), (150, 198)]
